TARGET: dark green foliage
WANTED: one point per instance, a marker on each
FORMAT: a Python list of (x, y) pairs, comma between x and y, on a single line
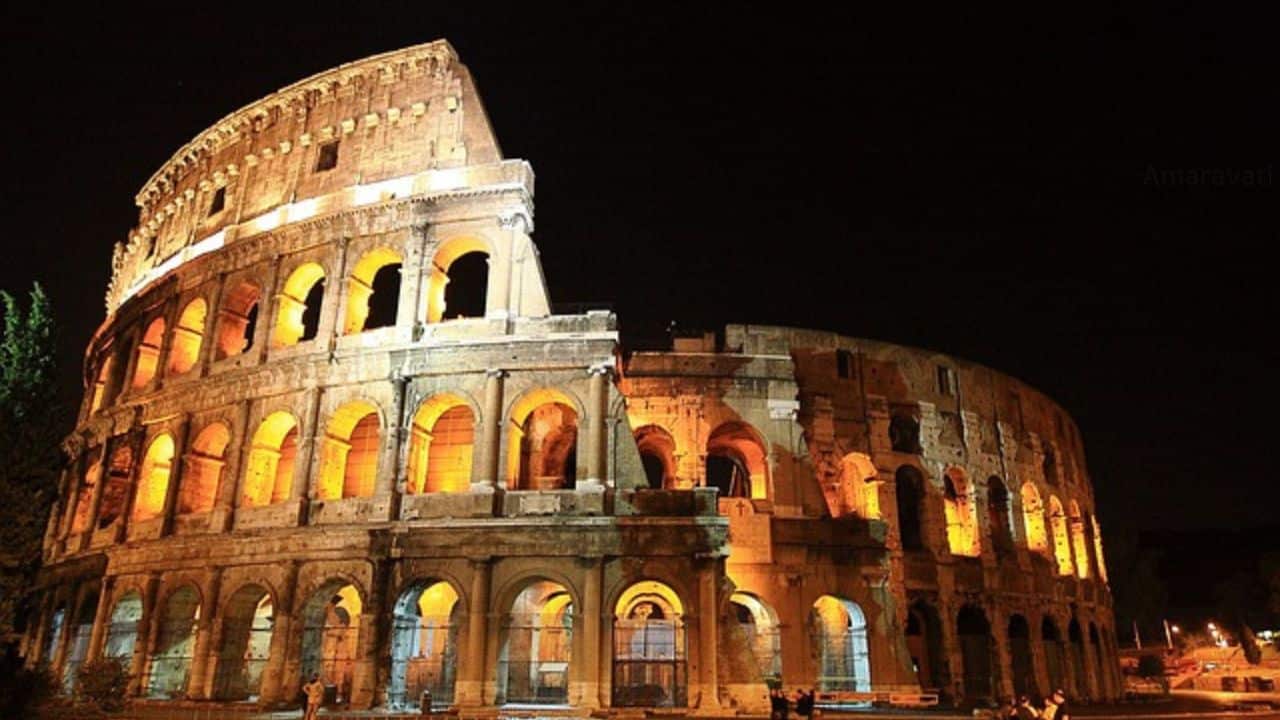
[(1150, 666), (103, 683), (31, 429), (21, 690)]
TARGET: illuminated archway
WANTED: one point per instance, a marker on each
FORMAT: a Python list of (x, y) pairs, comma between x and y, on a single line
[(441, 446), (268, 478), (1061, 540), (657, 455), (424, 641), (543, 441), (349, 461), (961, 513), (203, 470), (649, 663), (536, 646), (1078, 542), (855, 490), (153, 479), (838, 634), (1033, 519), (331, 636), (737, 463), (761, 625), (299, 301), (170, 663), (445, 302), (148, 354), (248, 623), (115, 492), (188, 336), (373, 291), (100, 385), (238, 320), (122, 631)]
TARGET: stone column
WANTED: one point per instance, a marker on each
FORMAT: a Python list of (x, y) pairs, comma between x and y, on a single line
[(364, 681), (708, 617), (487, 479), (298, 491), (147, 629), (101, 619), (388, 481), (204, 654), (229, 487), (590, 653), (273, 688), (1003, 654), (177, 469), (472, 669), (597, 409), (951, 655)]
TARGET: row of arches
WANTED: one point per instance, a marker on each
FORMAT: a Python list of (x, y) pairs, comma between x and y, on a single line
[(736, 459), (1068, 536), (456, 288)]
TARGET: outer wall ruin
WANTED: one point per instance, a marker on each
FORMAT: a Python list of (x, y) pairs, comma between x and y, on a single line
[(311, 443)]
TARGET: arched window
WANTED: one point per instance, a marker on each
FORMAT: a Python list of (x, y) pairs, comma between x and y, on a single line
[(116, 490), (153, 480), (909, 490), (657, 455), (1078, 542), (188, 336), (441, 446), (1061, 539), (148, 355), (170, 662), (855, 491), (373, 292), (298, 317), (536, 646), (839, 641), (203, 470), (962, 521), (122, 632), (349, 464), (424, 641), (459, 280), (737, 463), (998, 515), (331, 635), (649, 647), (543, 442), (1033, 519), (81, 633), (238, 320), (248, 622), (761, 625), (268, 477)]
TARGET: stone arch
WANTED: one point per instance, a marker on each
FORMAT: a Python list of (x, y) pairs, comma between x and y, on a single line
[(115, 492), (960, 508), (153, 479), (543, 440), (1033, 519), (426, 622), (92, 475), (439, 295), (974, 634), (909, 487), (1079, 546), (202, 471), (657, 455), (838, 641), (442, 445), (760, 622), (649, 654), (1020, 656), (331, 634), (737, 461), (349, 454), (924, 643), (248, 623), (147, 356), (535, 646), (1054, 653), (298, 306), (373, 291), (169, 667), (1061, 538), (998, 516), (268, 475), (188, 337), (237, 319), (122, 627), (856, 490)]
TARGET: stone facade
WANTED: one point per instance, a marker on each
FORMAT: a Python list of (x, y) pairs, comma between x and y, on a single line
[(297, 456)]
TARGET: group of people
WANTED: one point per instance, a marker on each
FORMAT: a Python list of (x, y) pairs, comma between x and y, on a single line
[(1055, 708), (780, 704)]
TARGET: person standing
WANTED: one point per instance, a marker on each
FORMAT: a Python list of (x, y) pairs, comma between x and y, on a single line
[(1055, 706), (314, 691)]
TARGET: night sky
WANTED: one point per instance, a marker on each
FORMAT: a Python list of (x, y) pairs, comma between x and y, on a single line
[(995, 187)]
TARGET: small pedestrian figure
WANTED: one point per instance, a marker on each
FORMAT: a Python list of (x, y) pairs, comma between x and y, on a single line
[(315, 695), (1055, 706), (804, 704), (1026, 711)]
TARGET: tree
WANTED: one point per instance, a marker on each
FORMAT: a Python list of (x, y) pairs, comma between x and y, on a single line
[(31, 428)]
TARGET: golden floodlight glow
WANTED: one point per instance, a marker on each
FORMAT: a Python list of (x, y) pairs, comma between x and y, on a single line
[(153, 479)]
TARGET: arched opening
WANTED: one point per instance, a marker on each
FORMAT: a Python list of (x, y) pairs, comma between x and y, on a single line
[(153, 480), (1020, 656), (148, 354), (1061, 539), (909, 490), (100, 385), (458, 285), (649, 647), (349, 464), (188, 336), (170, 667), (657, 455), (424, 641), (441, 446), (115, 493), (84, 496), (373, 292), (854, 491), (203, 470), (268, 478), (118, 366), (331, 635), (737, 462), (1054, 662), (544, 441), (838, 633), (904, 434), (298, 317), (247, 625), (998, 515), (122, 630), (761, 625), (237, 320), (1033, 519), (1078, 542), (961, 513), (535, 648), (1076, 638), (924, 643), (974, 633), (78, 648), (1097, 548)]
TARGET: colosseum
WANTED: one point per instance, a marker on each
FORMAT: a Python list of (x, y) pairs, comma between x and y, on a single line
[(332, 426)]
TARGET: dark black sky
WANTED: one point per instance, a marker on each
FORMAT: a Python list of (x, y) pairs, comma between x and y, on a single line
[(976, 184)]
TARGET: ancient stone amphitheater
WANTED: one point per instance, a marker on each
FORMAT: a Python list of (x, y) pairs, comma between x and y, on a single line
[(331, 425)]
